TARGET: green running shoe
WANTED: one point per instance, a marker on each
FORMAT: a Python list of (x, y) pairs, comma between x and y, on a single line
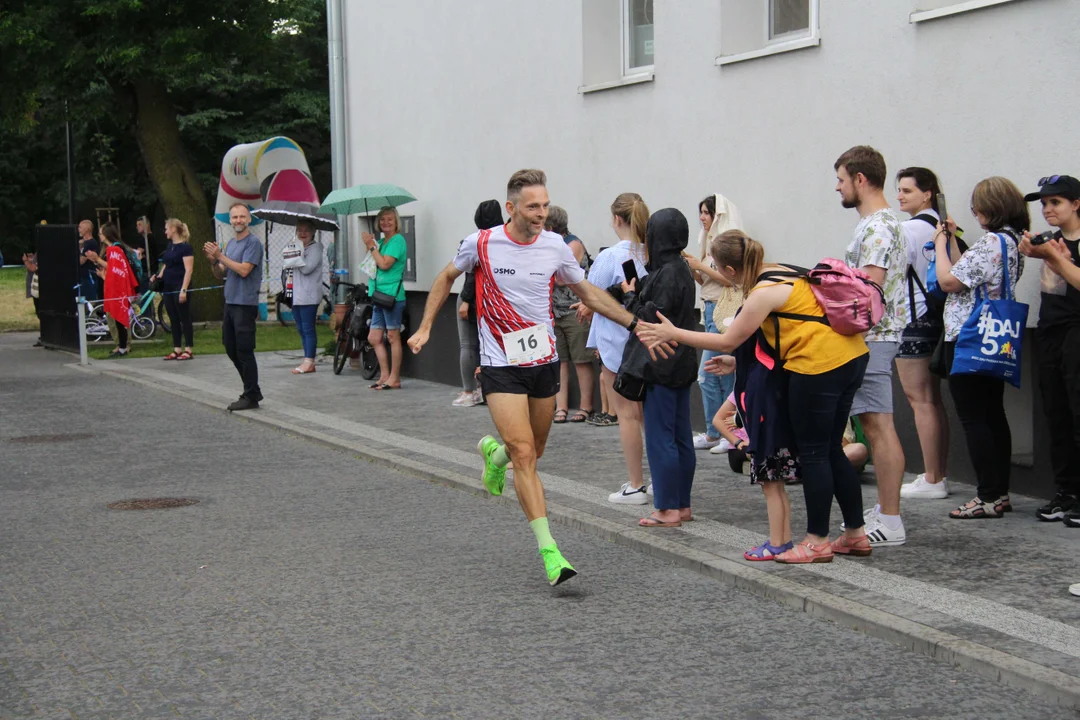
[(558, 570), (494, 476)]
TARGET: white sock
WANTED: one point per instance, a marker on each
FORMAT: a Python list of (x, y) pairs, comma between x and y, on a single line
[(893, 522)]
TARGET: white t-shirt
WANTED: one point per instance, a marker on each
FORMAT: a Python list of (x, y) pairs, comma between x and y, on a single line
[(513, 286), (916, 234)]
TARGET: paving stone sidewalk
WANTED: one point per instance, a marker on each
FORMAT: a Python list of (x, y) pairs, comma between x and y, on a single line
[(1002, 584)]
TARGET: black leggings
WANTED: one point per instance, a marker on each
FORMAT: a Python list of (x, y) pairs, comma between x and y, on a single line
[(179, 317), (980, 403), (122, 337), (818, 407)]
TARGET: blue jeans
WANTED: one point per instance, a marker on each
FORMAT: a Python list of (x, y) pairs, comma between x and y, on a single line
[(714, 388), (669, 444), (304, 315)]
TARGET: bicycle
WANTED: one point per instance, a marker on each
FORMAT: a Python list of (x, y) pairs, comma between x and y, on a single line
[(352, 335), (142, 327)]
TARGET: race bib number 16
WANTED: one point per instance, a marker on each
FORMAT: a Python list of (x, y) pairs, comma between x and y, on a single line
[(528, 345)]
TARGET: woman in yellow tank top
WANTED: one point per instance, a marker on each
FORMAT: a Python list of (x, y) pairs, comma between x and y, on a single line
[(824, 370)]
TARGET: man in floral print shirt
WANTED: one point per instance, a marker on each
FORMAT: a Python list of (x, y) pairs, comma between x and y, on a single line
[(878, 249)]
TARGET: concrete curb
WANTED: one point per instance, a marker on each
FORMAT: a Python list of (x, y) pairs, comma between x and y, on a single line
[(1047, 683)]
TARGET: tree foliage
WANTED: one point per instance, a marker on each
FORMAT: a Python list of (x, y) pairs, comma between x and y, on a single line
[(157, 91)]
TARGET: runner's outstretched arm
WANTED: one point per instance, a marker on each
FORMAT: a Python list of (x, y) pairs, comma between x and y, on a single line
[(601, 301), (440, 290)]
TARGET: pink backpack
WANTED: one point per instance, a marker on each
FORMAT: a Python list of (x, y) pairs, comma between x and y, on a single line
[(853, 303)]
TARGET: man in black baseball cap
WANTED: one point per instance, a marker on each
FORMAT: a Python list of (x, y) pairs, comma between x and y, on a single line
[(1065, 186), (1058, 338)]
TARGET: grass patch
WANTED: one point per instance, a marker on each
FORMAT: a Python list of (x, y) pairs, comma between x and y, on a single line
[(208, 341), (16, 310)]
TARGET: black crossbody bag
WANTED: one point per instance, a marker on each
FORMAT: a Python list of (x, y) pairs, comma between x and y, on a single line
[(385, 300)]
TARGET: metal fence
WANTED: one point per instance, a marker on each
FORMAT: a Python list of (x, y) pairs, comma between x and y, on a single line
[(275, 237)]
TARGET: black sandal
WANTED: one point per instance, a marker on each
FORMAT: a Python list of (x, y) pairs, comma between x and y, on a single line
[(560, 417)]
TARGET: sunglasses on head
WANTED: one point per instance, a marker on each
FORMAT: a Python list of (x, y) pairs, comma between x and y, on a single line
[(1049, 180)]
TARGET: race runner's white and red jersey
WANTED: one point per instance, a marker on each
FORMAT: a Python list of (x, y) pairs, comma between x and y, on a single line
[(513, 286)]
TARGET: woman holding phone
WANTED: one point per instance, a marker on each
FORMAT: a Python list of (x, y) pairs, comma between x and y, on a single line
[(629, 217), (918, 192)]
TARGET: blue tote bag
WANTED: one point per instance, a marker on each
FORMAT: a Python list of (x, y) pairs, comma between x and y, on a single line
[(990, 341)]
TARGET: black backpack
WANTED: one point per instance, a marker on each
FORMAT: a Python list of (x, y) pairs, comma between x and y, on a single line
[(933, 304)]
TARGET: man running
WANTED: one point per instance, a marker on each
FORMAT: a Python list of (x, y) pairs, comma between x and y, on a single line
[(515, 266)]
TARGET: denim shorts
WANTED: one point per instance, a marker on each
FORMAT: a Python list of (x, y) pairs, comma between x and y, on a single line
[(388, 319)]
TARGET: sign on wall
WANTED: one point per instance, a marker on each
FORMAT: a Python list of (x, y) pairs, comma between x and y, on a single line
[(408, 229)]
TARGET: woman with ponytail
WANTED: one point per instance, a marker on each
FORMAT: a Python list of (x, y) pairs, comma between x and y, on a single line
[(176, 266), (818, 369), (629, 216)]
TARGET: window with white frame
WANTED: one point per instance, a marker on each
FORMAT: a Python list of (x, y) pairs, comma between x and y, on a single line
[(617, 43), (637, 36), (750, 30), (787, 19)]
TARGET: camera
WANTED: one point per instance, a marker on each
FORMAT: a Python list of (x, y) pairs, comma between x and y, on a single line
[(1042, 238)]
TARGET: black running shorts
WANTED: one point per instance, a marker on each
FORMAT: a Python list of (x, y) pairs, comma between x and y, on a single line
[(538, 381)]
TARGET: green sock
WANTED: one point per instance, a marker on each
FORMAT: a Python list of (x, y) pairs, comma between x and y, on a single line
[(543, 535), (500, 458)]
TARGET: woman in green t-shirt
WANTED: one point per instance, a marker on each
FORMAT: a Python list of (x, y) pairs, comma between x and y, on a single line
[(389, 255)]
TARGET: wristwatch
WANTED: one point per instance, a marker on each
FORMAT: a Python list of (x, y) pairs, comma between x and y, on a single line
[(633, 324)]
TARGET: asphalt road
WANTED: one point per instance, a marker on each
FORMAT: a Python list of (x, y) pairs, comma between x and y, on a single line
[(309, 584)]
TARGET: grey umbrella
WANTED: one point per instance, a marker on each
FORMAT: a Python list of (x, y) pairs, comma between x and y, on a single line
[(288, 213)]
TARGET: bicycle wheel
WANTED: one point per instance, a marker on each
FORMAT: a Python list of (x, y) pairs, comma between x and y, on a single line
[(97, 331), (278, 305), (343, 346), (142, 327), (369, 361), (163, 317)]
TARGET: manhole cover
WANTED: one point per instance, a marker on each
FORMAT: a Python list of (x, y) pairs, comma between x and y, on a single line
[(44, 439), (152, 503)]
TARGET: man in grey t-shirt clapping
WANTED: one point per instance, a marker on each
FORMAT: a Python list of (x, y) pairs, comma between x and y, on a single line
[(240, 266)]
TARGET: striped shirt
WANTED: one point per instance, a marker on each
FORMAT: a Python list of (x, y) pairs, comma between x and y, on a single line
[(608, 336)]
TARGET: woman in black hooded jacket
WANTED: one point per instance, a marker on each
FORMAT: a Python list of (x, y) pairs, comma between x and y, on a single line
[(664, 384)]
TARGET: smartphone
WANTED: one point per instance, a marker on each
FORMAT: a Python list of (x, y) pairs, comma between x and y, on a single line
[(941, 211), (629, 270)]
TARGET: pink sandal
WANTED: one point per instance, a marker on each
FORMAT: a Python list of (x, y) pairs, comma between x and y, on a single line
[(805, 553), (859, 547)]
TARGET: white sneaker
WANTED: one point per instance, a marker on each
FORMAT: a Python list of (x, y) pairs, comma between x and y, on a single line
[(869, 515), (478, 396), (721, 448), (922, 489), (629, 496), (881, 535), (702, 442), (1075, 589), (464, 399)]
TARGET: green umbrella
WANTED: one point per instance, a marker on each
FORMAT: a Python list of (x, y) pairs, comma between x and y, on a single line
[(364, 199)]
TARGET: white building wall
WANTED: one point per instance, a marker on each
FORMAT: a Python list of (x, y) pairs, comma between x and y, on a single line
[(448, 99)]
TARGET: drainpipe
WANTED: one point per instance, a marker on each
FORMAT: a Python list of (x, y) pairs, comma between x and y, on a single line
[(338, 149)]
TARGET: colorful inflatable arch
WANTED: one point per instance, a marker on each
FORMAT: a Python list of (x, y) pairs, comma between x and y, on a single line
[(273, 169)]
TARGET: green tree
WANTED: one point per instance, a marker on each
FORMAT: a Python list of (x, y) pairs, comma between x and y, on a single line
[(148, 61)]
